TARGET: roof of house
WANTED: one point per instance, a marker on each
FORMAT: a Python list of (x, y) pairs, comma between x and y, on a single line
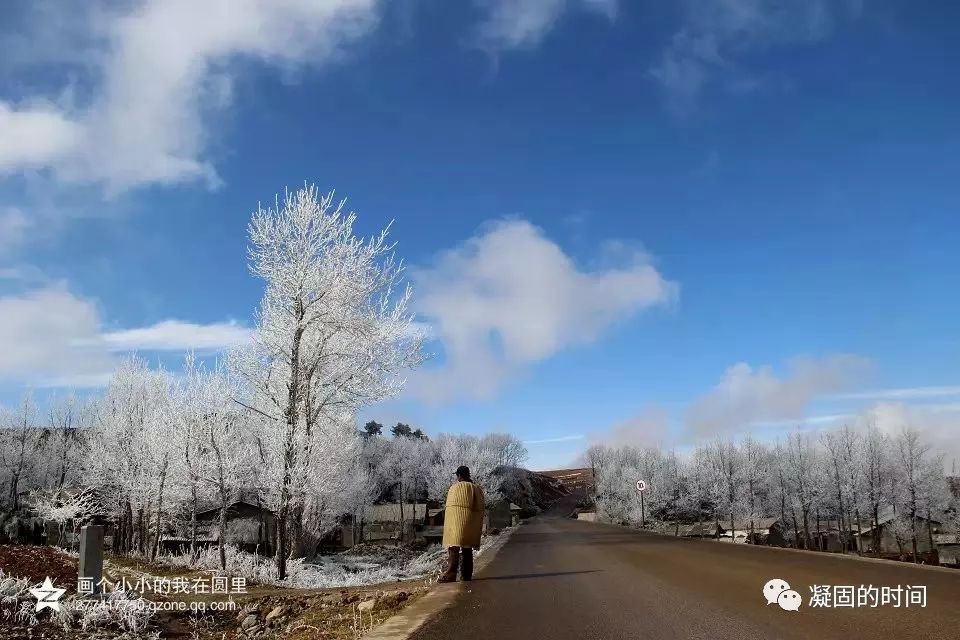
[(238, 508), (390, 512), (744, 525), (698, 529)]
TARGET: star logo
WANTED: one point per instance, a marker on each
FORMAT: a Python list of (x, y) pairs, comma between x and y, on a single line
[(47, 596)]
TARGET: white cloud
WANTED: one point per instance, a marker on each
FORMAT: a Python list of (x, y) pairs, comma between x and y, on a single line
[(13, 226), (35, 137), (940, 427), (52, 337), (511, 297), (649, 428), (747, 395), (904, 393), (805, 421), (553, 440), (519, 24), (40, 332), (175, 335), (161, 70), (715, 33)]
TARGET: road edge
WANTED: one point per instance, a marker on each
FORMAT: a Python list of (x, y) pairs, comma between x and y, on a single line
[(758, 547), (405, 623)]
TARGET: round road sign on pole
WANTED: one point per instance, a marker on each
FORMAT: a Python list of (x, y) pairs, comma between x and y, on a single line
[(641, 486)]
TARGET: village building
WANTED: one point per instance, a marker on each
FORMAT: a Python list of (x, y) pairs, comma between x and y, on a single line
[(249, 526)]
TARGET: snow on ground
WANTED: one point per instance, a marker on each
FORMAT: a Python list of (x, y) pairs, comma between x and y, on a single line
[(363, 565)]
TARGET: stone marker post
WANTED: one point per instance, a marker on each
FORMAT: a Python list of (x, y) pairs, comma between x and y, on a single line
[(91, 554)]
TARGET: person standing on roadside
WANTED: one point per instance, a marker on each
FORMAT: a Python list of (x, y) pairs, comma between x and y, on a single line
[(462, 526)]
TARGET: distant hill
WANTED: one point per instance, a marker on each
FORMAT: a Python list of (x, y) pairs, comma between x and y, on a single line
[(531, 491), (574, 480)]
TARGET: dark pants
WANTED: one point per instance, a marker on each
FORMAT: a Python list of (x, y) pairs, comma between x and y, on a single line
[(462, 556)]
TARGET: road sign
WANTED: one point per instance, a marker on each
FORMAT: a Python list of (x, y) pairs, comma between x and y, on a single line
[(641, 486)]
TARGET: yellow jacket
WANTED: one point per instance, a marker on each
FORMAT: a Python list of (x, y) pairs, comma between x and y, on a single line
[(463, 515)]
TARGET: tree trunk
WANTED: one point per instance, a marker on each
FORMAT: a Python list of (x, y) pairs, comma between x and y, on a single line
[(128, 546), (193, 524), (158, 532), (400, 537), (14, 491), (221, 534), (876, 529), (796, 530), (120, 539), (819, 535), (282, 544), (856, 514), (141, 530), (913, 532), (291, 412)]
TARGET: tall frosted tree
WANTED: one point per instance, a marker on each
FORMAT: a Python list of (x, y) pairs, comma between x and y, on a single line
[(451, 451), (333, 334), (19, 450), (876, 472), (130, 449)]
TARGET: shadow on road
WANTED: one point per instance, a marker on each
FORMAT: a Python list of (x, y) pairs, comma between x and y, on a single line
[(551, 574)]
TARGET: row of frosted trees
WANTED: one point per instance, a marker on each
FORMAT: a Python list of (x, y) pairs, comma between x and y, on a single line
[(154, 449), (276, 417), (852, 476)]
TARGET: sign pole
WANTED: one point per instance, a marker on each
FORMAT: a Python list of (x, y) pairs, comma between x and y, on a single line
[(641, 487), (643, 516)]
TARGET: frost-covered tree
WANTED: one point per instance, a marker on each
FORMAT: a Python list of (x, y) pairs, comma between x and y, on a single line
[(408, 461), (802, 464), (845, 471), (188, 413), (22, 439), (214, 435), (508, 449), (451, 451), (911, 459), (836, 467), (128, 445), (756, 460), (875, 477), (67, 417), (728, 468), (852, 453), (333, 334)]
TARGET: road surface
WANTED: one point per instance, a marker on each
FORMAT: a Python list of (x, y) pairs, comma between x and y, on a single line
[(559, 579)]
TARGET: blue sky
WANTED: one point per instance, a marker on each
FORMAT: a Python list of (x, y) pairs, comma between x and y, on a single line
[(661, 221)]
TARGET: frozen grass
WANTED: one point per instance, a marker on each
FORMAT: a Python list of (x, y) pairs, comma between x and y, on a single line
[(362, 566), (12, 587), (121, 611)]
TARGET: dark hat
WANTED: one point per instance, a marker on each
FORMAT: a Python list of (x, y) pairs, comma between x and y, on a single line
[(464, 472)]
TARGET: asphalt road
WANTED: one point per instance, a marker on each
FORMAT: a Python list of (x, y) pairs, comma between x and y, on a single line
[(560, 579)]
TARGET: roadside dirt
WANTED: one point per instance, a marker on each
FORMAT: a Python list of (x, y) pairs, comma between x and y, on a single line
[(264, 612), (37, 563)]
